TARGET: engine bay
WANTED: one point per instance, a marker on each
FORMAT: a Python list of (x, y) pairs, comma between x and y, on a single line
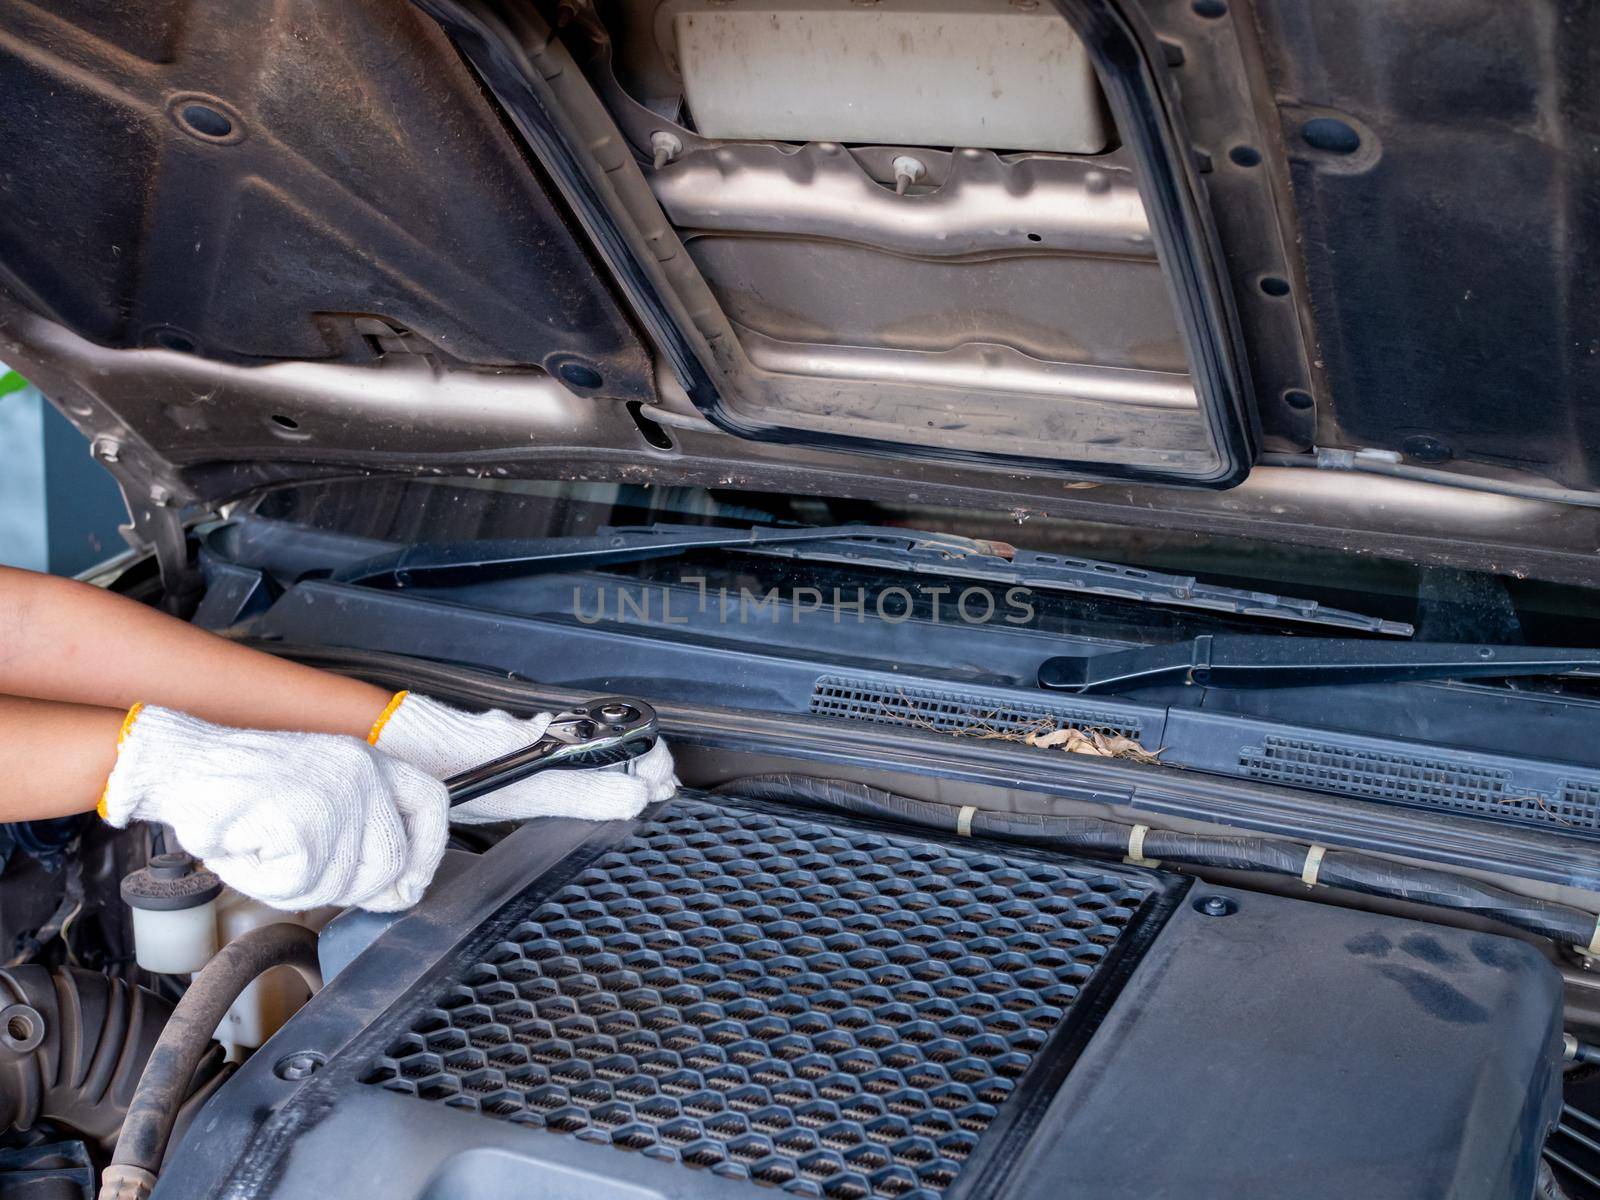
[(881, 943), (788, 981)]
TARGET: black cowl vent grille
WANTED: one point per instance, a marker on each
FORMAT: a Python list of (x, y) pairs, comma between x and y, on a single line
[(1328, 766), (831, 1011), (1578, 807), (953, 710)]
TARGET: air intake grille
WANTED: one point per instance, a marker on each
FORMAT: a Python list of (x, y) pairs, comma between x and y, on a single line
[(1328, 766), (951, 711), (835, 1012), (1579, 807)]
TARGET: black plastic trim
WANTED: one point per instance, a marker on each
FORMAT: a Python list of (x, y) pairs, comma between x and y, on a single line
[(352, 1021), (1000, 1155), (1378, 827)]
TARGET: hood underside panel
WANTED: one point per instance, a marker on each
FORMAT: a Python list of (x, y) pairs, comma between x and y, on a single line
[(321, 242), (303, 185)]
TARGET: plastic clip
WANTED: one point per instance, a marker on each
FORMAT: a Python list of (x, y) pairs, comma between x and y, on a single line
[(1308, 873)]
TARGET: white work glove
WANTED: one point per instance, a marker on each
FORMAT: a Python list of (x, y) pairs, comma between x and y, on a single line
[(444, 741), (297, 820)]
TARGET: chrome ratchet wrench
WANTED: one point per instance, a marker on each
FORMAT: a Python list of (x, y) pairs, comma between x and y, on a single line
[(601, 733)]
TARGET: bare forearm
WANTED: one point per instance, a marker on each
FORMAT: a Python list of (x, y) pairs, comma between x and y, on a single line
[(66, 641), (54, 758)]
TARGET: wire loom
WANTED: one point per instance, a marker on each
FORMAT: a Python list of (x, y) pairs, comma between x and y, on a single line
[(1336, 868)]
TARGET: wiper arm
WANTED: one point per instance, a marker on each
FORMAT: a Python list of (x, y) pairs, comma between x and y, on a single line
[(913, 551), (1244, 661), (454, 564)]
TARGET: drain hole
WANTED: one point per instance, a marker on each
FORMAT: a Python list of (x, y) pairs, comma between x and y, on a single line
[(580, 375), (1330, 135), (205, 120)]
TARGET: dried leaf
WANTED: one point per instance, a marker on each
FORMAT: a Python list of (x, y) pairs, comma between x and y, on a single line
[(1054, 738), (1044, 734)]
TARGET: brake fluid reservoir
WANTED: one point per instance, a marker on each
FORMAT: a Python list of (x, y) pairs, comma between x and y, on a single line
[(174, 903)]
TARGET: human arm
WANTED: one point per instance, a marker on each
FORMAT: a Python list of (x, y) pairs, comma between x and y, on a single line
[(71, 642), (54, 758)]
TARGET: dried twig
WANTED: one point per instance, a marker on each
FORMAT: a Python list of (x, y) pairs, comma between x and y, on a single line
[(1539, 801)]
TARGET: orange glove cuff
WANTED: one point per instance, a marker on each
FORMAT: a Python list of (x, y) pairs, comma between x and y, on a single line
[(127, 727), (383, 718)]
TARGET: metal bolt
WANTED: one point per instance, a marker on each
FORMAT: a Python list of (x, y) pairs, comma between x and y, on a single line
[(907, 170), (664, 147), (295, 1067), (1216, 906), (106, 449)]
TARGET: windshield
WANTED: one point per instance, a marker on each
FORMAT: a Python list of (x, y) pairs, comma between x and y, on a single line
[(1444, 604)]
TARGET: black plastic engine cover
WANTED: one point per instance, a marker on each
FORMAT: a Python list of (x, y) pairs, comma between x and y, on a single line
[(727, 1001)]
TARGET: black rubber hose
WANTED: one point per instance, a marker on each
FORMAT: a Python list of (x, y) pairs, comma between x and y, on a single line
[(186, 1039), (1338, 868)]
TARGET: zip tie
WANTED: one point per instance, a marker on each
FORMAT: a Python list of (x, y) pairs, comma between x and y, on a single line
[(1135, 853), (968, 811), (1136, 841), (1308, 873), (1594, 942)]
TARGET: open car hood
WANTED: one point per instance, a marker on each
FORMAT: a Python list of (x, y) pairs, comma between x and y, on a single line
[(1312, 270)]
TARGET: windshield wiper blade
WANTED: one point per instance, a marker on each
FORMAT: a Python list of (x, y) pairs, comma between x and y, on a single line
[(897, 550), (1244, 661), (914, 551)]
